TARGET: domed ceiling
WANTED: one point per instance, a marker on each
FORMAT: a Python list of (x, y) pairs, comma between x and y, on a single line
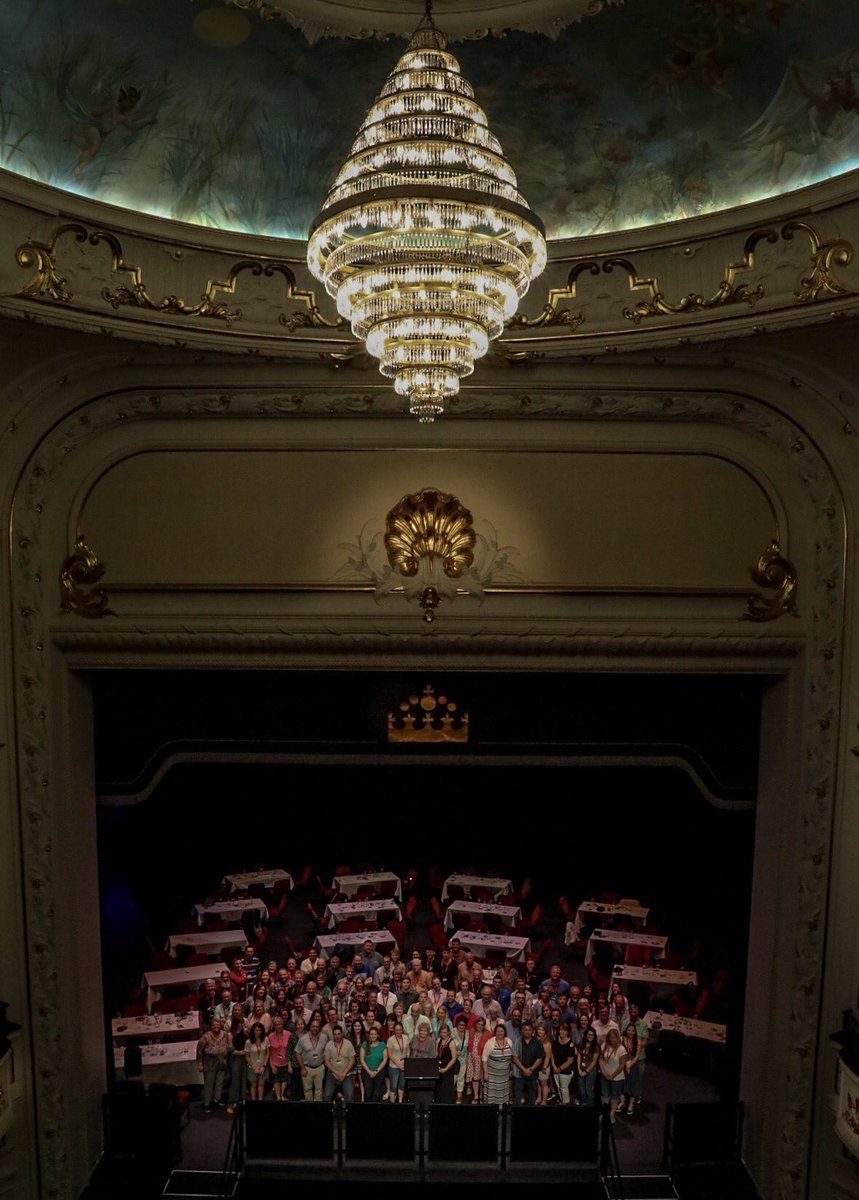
[(238, 116)]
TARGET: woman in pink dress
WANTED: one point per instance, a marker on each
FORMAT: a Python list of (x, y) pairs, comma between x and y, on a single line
[(474, 1070)]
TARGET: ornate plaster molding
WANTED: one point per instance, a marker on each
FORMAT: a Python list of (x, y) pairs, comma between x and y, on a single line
[(48, 283), (80, 576), (423, 532), (399, 647), (34, 606), (776, 574), (817, 276), (618, 291)]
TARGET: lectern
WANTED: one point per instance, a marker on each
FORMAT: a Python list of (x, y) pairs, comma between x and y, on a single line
[(421, 1078)]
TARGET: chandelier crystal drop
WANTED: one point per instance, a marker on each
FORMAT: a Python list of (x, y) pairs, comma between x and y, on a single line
[(424, 240)]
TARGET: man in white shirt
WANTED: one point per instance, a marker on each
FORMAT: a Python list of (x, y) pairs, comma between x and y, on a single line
[(603, 1024), (311, 964)]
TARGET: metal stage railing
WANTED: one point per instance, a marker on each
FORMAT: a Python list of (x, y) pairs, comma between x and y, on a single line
[(234, 1158)]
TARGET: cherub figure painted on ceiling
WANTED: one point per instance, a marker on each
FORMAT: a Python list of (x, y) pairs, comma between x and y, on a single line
[(95, 127)]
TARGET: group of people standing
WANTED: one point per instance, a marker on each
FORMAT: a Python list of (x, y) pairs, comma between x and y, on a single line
[(324, 1030)]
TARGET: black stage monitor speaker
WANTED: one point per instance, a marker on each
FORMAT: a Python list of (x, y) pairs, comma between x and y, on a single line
[(555, 1135), (289, 1130), (699, 1134), (380, 1131), (463, 1133)]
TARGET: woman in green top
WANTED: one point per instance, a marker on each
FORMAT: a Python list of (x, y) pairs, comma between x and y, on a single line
[(374, 1060)]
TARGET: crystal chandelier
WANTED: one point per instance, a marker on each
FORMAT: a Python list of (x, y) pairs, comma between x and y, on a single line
[(424, 240)]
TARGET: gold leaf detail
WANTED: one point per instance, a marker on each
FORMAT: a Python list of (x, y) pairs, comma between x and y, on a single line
[(430, 524), (837, 252), (79, 575), (777, 574), (40, 258), (553, 313), (729, 291)]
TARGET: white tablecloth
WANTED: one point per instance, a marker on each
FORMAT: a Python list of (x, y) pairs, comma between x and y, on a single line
[(156, 981), (518, 948), (326, 942), (266, 879), (362, 908), (349, 884), (171, 1062), (209, 942), (508, 913), (710, 1031), (631, 912), (230, 910), (155, 1027), (621, 938), (659, 980), (499, 886)]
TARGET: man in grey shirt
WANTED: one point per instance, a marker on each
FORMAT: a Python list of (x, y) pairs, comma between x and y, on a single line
[(310, 1051), (488, 1007)]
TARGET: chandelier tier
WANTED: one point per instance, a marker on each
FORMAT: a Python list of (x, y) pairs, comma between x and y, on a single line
[(424, 240)]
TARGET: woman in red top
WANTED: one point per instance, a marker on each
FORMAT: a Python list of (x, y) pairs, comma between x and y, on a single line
[(278, 1062), (474, 1070)]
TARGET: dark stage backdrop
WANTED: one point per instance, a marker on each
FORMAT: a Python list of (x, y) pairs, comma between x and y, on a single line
[(575, 830)]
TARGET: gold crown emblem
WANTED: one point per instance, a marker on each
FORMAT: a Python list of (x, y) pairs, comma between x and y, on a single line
[(428, 718)]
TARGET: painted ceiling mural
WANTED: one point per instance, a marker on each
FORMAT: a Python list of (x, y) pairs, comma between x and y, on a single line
[(647, 112)]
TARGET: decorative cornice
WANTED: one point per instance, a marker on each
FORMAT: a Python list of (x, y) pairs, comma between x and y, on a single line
[(48, 285), (821, 282), (465, 20), (398, 647), (787, 272), (729, 291)]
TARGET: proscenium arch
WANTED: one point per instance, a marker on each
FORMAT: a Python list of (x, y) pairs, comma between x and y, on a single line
[(52, 721)]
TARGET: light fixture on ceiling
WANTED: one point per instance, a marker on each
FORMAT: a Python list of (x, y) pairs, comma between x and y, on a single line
[(424, 240)]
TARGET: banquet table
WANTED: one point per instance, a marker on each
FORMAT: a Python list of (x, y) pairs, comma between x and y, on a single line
[(209, 942), (509, 914), (266, 879), (499, 886), (709, 1031), (621, 939), (349, 884), (168, 1062), (516, 947), (594, 908), (325, 943), (230, 910), (660, 980), (156, 981), (158, 1026), (361, 908)]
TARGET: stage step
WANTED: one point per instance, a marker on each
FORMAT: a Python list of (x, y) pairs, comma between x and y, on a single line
[(280, 1189), (648, 1187), (189, 1185)]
